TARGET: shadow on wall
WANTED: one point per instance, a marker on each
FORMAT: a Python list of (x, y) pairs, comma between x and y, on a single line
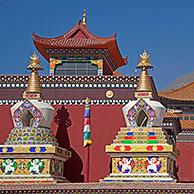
[(73, 166)]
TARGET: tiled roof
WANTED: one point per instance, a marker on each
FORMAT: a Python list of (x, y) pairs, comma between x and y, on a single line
[(80, 37), (62, 41), (185, 93)]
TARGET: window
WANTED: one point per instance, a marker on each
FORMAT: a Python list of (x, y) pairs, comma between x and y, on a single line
[(27, 119), (142, 119), (192, 117), (76, 68), (186, 117)]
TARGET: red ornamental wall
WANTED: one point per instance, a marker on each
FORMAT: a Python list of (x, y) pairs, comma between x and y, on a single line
[(105, 123), (185, 161)]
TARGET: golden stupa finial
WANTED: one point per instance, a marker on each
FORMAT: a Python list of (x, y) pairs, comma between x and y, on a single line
[(144, 61), (144, 83), (84, 18), (34, 63), (87, 100), (33, 90)]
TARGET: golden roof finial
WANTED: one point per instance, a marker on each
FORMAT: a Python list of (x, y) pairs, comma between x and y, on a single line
[(33, 90), (84, 18), (144, 84)]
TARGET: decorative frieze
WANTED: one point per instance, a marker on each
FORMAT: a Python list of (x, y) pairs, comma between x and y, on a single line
[(71, 102), (72, 81)]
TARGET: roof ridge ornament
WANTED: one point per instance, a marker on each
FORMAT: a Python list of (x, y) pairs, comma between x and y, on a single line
[(84, 20), (33, 90)]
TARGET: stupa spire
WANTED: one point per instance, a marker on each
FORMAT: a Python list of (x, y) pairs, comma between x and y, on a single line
[(144, 84), (33, 90), (84, 20)]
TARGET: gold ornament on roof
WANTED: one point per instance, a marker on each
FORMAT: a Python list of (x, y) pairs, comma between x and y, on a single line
[(84, 18), (33, 90), (144, 84)]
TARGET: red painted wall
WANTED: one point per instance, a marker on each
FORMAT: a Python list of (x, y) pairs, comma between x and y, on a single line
[(105, 122), (6, 123), (185, 161)]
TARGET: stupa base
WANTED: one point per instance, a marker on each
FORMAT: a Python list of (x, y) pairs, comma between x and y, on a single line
[(139, 177), (32, 163), (11, 179)]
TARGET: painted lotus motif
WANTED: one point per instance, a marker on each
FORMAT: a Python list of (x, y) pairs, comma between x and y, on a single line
[(125, 165), (36, 166), (9, 166), (153, 164)]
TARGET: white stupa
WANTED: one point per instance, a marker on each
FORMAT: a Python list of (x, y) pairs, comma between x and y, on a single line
[(31, 153), (144, 111)]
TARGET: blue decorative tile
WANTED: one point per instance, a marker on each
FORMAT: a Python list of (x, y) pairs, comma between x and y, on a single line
[(32, 149), (10, 149), (42, 149)]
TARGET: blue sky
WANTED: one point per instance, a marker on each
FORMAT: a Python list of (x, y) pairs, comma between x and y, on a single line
[(164, 27)]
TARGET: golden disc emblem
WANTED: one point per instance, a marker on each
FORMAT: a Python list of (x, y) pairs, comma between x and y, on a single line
[(122, 148), (109, 94), (37, 149), (154, 148), (4, 149)]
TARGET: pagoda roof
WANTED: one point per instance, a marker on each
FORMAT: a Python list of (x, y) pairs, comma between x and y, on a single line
[(80, 37)]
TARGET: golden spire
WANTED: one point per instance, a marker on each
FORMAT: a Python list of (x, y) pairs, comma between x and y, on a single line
[(84, 18), (144, 84), (33, 90)]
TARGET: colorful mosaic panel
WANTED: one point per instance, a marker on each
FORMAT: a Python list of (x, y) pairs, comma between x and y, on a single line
[(141, 135), (57, 167), (26, 149), (24, 166), (28, 135), (53, 63), (153, 164), (129, 138), (139, 148), (152, 138), (27, 106), (128, 165), (125, 165), (99, 63), (8, 166), (133, 113), (35, 166)]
